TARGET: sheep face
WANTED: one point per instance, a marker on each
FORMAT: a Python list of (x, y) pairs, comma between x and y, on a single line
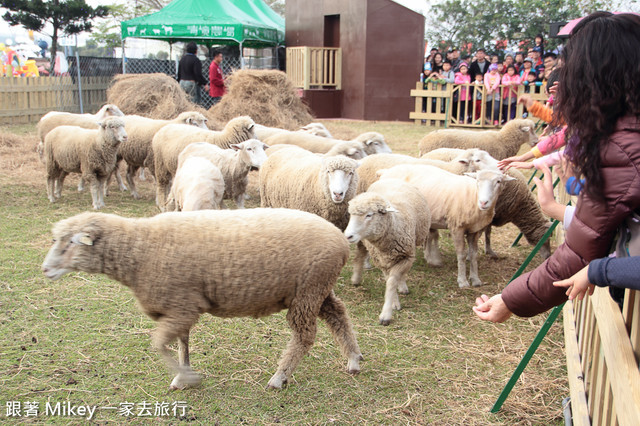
[(341, 178), (528, 129), (66, 253), (109, 110), (316, 129), (254, 151), (374, 143), (489, 184), (115, 126), (368, 213), (479, 160), (194, 118)]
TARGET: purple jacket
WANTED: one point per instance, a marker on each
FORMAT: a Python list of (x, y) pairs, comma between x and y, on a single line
[(592, 229)]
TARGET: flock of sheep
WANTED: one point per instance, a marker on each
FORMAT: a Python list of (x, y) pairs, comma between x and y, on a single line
[(317, 194)]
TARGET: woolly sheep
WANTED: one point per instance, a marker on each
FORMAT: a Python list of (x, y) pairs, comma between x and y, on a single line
[(466, 161), (171, 139), (317, 129), (91, 152), (234, 163), (180, 265), (373, 142), (481, 158), (295, 178), (140, 132), (351, 149), (499, 144), (463, 204), (518, 205), (198, 185), (391, 219), (53, 119)]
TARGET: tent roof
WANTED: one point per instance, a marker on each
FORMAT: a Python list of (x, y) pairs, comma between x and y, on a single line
[(210, 22)]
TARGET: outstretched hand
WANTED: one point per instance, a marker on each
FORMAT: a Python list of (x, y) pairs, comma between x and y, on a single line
[(491, 309), (578, 285), (527, 100), (505, 164)]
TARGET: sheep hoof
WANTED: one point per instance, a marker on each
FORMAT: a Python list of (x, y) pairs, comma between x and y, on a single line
[(403, 289), (277, 381), (476, 282), (185, 380), (353, 366), (436, 263), (492, 254), (463, 283), (385, 322)]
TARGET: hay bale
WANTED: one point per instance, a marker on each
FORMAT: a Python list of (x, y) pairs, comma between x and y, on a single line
[(155, 96), (267, 96)]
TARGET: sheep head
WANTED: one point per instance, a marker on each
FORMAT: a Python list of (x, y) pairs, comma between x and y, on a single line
[(489, 183), (340, 178), (368, 217)]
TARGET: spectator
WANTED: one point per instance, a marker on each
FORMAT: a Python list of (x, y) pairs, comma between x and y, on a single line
[(536, 55), (436, 65), (603, 134), (501, 68), (462, 77), (495, 58), (455, 59), (478, 93), (216, 80), (190, 74), (511, 81), (527, 68), (492, 85), (508, 60), (538, 42), (518, 62), (480, 65)]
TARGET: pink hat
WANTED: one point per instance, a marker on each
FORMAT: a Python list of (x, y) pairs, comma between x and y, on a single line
[(463, 64)]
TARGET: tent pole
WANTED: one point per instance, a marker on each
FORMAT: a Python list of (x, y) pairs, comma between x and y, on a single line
[(241, 57), (124, 68)]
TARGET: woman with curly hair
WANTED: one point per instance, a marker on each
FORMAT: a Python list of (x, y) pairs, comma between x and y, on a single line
[(599, 100)]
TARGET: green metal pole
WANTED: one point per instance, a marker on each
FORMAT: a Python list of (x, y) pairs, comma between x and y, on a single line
[(526, 358), (535, 250), (517, 240)]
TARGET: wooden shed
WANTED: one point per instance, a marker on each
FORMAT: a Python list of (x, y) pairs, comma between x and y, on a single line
[(367, 55)]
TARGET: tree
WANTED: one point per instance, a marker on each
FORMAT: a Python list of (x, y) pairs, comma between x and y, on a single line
[(491, 23), (277, 6), (66, 16)]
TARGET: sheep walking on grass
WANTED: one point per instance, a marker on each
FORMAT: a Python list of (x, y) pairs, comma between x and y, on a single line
[(198, 185), (239, 263), (392, 218), (298, 179), (71, 149), (463, 204), (500, 144)]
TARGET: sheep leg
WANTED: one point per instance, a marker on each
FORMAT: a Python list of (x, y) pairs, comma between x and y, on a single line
[(334, 313), (487, 243), (59, 183), (458, 241), (432, 251), (239, 199), (51, 185), (116, 172), (80, 184), (161, 193), (167, 331), (131, 172), (302, 320), (97, 191), (358, 263), (396, 275), (472, 241)]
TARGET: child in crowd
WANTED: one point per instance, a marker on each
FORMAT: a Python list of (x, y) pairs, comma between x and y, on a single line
[(510, 93), (492, 83), (479, 89), (527, 68), (532, 82), (463, 77)]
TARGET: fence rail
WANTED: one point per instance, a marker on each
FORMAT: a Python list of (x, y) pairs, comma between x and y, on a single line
[(315, 67), (467, 105)]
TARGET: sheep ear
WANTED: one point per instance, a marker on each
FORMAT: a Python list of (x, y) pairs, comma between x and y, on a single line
[(265, 146), (82, 238), (391, 209), (351, 151), (471, 174), (189, 120), (368, 142), (250, 127), (380, 172), (463, 160), (525, 129), (236, 146), (101, 124), (507, 178)]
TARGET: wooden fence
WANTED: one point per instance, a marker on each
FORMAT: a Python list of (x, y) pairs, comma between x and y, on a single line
[(315, 67), (445, 105), (25, 100)]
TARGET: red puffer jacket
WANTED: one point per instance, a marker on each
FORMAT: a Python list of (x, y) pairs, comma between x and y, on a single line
[(593, 227)]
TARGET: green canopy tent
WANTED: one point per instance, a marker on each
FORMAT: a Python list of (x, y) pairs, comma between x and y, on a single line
[(247, 23)]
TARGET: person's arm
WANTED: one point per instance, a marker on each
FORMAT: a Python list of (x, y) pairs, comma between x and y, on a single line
[(548, 203), (491, 309)]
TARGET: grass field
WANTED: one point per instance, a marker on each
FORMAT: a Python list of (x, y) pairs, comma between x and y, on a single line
[(82, 341)]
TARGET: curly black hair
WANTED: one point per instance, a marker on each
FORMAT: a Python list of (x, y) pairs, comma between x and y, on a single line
[(600, 83)]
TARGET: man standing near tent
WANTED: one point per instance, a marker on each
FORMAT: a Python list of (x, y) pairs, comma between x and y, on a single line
[(190, 74), (216, 80)]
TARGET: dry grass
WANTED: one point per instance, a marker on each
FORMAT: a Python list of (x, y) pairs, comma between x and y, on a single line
[(82, 339)]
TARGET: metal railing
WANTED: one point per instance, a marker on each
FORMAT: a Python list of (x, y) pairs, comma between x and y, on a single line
[(315, 67)]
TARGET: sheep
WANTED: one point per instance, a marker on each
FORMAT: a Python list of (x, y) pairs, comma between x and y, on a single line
[(373, 142), (234, 163), (499, 144), (449, 197), (140, 131), (317, 129), (53, 119), (481, 158), (297, 179), (91, 152), (252, 262), (518, 205), (391, 219), (198, 185), (351, 149), (171, 139), (468, 161)]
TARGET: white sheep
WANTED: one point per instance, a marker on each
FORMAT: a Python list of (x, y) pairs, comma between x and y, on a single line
[(373, 142), (466, 161), (463, 204), (391, 219), (297, 179), (480, 158), (171, 139), (140, 132), (351, 149), (197, 185), (500, 144), (239, 263), (317, 129), (91, 152), (53, 119), (234, 163)]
